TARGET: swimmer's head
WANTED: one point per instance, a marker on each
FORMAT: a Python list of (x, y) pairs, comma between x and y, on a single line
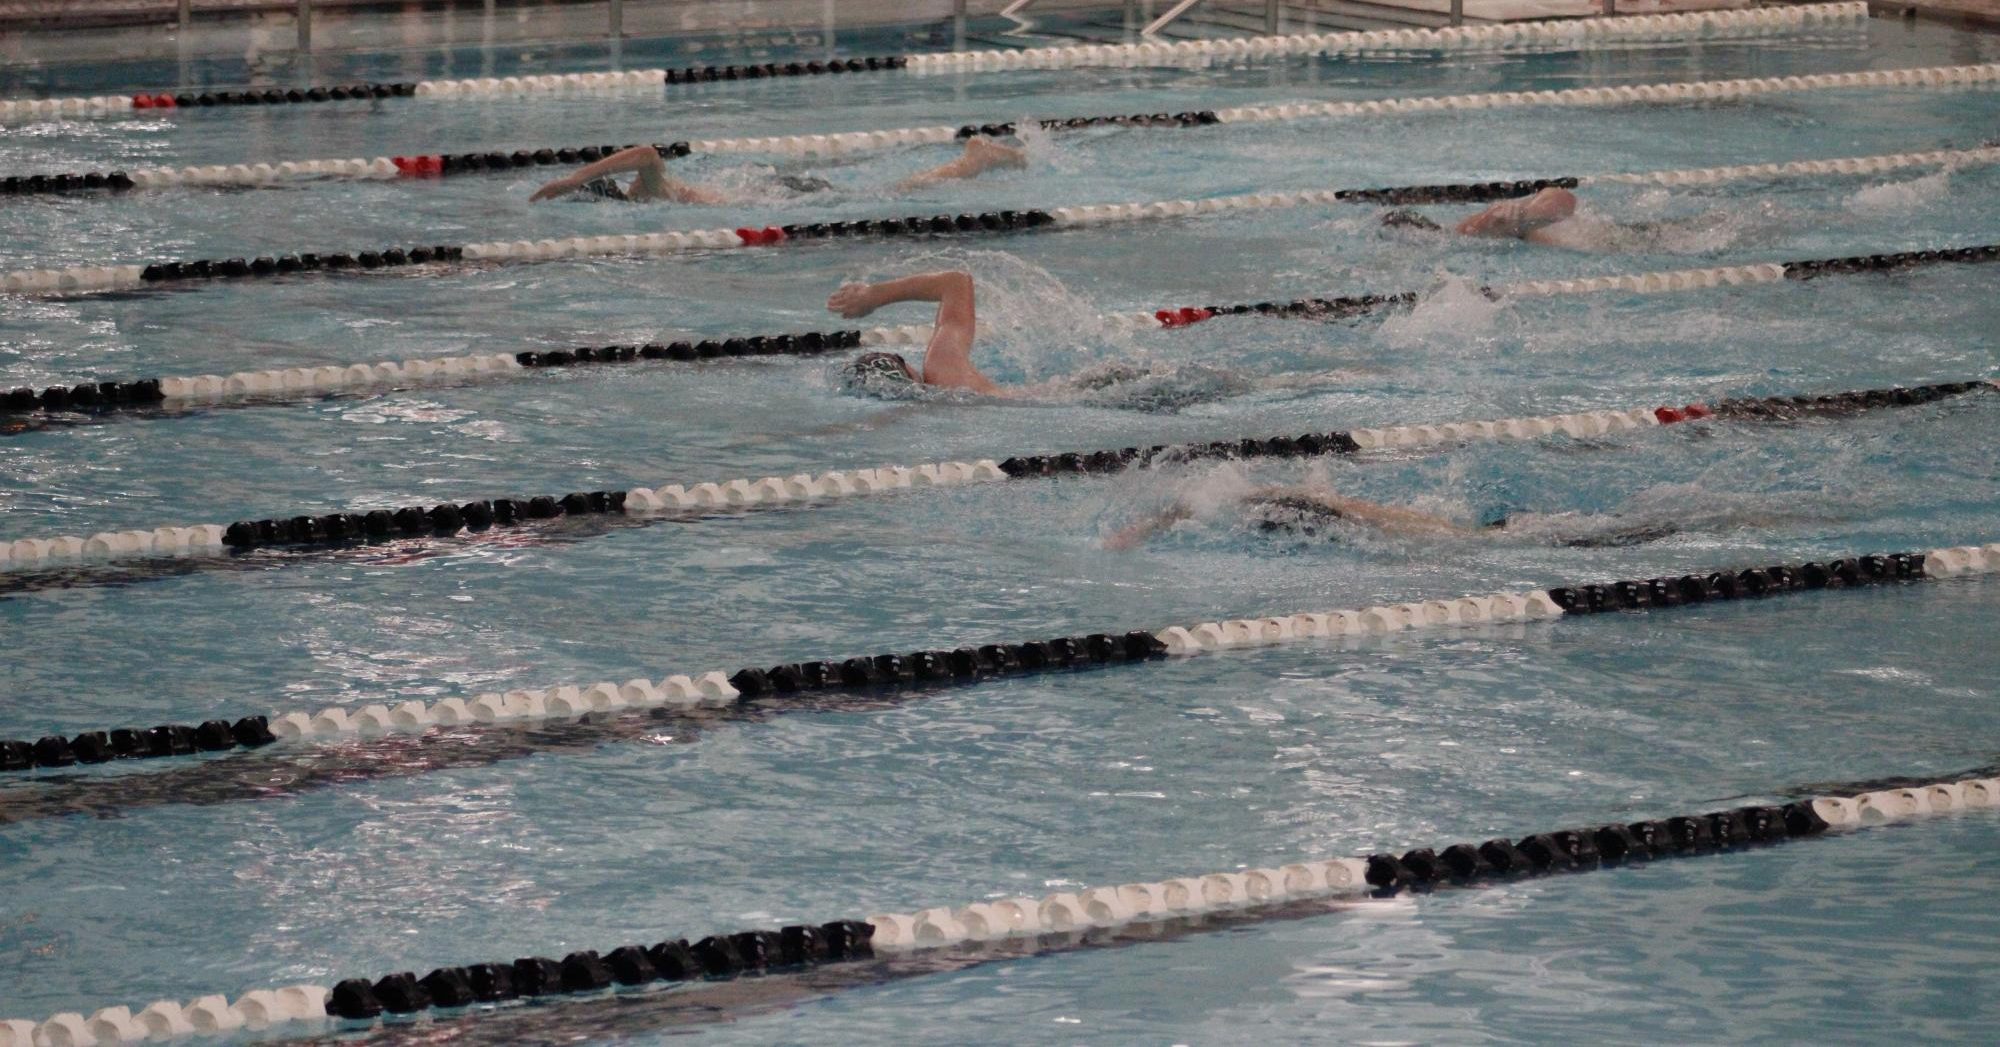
[(1408, 219), (883, 371)]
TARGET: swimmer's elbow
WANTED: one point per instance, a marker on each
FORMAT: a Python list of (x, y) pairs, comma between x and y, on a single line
[(641, 156), (954, 292)]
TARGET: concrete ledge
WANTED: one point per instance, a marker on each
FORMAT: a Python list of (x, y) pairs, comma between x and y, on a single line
[(1976, 15)]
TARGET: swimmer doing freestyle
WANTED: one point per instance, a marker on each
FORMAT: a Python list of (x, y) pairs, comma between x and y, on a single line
[(1550, 219), (1313, 510), (947, 357), (651, 183), (947, 361)]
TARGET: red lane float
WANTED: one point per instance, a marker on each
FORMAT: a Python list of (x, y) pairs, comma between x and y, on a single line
[(770, 234), (1687, 413), (419, 166), (1182, 317)]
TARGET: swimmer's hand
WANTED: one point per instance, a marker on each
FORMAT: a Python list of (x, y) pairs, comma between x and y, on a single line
[(852, 301), (559, 187)]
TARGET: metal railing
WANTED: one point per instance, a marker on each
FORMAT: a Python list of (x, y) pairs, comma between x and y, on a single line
[(615, 16), (1153, 27), (1270, 14)]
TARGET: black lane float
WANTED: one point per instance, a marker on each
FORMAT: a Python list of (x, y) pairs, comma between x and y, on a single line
[(800, 947), (969, 664)]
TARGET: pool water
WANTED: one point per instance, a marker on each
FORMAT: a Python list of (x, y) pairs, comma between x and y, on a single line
[(127, 883)]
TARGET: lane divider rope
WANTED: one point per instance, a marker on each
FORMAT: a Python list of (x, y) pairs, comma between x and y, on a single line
[(1625, 94), (445, 519), (966, 664), (167, 101), (374, 169), (1656, 282), (439, 165), (1458, 864), (1573, 33), (89, 279), (848, 143), (1570, 33), (717, 689), (1850, 165), (853, 142), (1227, 898), (23, 109), (295, 384)]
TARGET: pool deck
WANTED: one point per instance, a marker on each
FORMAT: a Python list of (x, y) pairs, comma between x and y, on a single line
[(1979, 15), (1976, 14), (40, 32)]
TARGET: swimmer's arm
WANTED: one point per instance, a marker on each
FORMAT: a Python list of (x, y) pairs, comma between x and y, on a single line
[(980, 156), (854, 301), (1502, 221), (1390, 519), (948, 357), (941, 173), (652, 184), (1130, 536), (1521, 218)]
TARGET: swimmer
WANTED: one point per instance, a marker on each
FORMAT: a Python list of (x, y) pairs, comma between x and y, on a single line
[(650, 182), (947, 358), (1309, 510), (1549, 218), (947, 361)]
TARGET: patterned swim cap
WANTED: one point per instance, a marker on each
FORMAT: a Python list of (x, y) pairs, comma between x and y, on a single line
[(880, 370)]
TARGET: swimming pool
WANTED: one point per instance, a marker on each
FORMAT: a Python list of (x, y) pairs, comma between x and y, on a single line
[(320, 864)]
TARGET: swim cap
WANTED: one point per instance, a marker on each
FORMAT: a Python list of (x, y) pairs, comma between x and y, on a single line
[(880, 371), (603, 187), (1408, 219)]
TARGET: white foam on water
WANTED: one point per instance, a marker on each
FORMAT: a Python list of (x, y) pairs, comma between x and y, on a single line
[(1453, 317), (1032, 326), (1045, 152), (1892, 198)]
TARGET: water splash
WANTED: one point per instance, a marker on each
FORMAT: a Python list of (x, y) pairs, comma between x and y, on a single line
[(1156, 387), (768, 185), (1032, 325), (1453, 316), (1045, 153), (1143, 508), (1891, 198)]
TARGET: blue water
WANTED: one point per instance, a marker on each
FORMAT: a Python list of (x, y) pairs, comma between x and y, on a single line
[(128, 883)]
